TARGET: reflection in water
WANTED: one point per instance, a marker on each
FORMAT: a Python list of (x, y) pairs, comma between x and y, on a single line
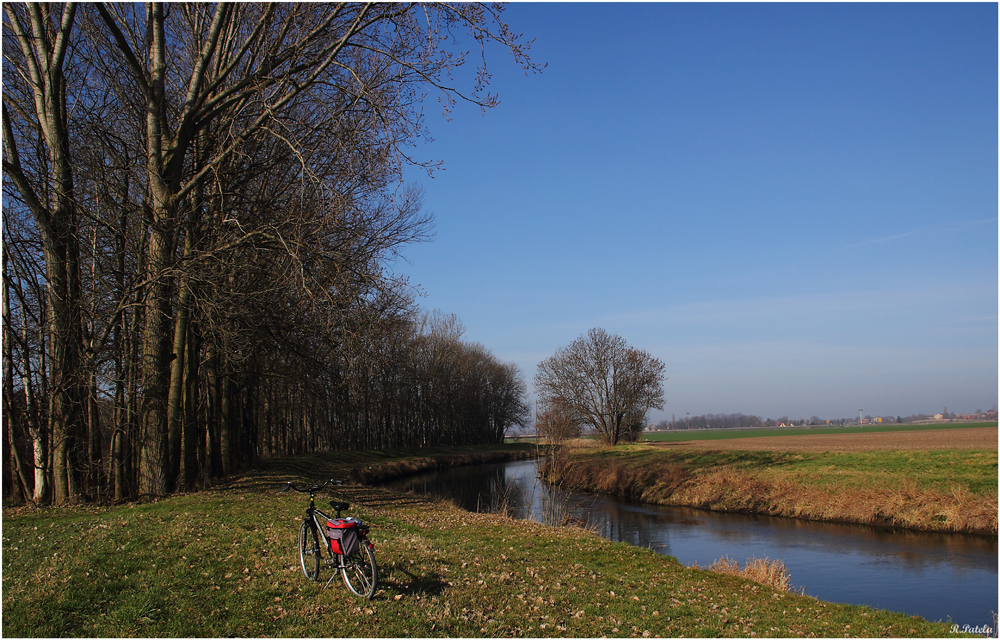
[(936, 576)]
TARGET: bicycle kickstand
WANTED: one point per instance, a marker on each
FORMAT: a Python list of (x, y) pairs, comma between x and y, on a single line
[(336, 571)]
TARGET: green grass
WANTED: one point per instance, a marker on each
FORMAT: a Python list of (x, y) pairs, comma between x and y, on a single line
[(223, 563), (725, 434)]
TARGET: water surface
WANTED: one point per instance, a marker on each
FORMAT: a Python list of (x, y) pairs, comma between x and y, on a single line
[(949, 577)]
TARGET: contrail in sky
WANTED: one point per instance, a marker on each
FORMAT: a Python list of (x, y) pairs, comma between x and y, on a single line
[(961, 225)]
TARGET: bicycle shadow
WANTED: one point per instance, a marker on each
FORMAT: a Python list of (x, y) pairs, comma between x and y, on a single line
[(401, 579)]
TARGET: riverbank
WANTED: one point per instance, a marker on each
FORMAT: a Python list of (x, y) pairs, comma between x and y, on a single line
[(444, 458), (928, 490), (223, 563)]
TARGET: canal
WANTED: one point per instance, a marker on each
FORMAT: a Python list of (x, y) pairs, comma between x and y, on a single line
[(948, 577)]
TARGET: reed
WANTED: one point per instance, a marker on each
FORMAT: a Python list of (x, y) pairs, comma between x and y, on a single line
[(765, 571)]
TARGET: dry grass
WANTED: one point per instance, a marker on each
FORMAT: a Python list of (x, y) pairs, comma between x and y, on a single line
[(584, 443), (765, 571), (834, 487), (634, 483), (908, 506)]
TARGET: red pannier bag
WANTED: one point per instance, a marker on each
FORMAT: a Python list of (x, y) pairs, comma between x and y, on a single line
[(343, 536)]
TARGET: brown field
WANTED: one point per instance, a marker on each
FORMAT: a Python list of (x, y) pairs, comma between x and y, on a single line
[(980, 438)]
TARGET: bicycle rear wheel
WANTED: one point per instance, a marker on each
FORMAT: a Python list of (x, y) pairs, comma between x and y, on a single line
[(360, 571), (309, 554)]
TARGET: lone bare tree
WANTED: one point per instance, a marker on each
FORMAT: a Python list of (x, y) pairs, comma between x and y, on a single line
[(604, 382)]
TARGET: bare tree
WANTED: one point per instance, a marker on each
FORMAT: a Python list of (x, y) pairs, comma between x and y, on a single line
[(207, 269), (37, 96), (242, 72), (605, 382), (557, 422)]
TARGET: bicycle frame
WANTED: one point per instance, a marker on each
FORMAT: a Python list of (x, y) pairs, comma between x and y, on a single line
[(315, 522)]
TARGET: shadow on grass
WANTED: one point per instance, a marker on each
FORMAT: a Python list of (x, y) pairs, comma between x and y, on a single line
[(400, 578)]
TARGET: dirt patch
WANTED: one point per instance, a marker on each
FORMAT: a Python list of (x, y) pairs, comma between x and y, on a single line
[(979, 438)]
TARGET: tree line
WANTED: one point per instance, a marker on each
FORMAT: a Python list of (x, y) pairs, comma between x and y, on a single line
[(714, 421), (202, 206)]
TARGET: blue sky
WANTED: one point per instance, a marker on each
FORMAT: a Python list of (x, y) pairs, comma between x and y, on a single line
[(793, 206)]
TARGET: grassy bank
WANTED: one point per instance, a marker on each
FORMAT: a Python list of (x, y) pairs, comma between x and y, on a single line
[(223, 563), (925, 490)]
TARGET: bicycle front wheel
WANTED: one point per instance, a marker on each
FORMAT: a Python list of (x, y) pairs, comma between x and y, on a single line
[(309, 554), (360, 572)]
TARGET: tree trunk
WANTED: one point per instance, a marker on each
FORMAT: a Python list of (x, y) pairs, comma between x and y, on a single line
[(189, 437), (10, 416), (15, 457), (153, 461), (95, 463), (178, 371), (39, 436), (225, 423), (119, 334)]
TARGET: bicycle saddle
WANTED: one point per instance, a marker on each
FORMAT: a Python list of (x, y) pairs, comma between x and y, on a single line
[(340, 506)]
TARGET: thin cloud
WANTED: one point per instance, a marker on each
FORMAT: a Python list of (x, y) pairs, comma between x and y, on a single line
[(936, 227)]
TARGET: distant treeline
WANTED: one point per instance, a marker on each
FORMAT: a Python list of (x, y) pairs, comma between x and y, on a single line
[(741, 421), (713, 421)]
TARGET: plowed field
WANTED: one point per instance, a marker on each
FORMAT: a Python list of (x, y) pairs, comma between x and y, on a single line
[(980, 438)]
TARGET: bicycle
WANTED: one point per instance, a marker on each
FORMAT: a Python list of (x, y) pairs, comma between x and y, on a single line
[(345, 545)]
